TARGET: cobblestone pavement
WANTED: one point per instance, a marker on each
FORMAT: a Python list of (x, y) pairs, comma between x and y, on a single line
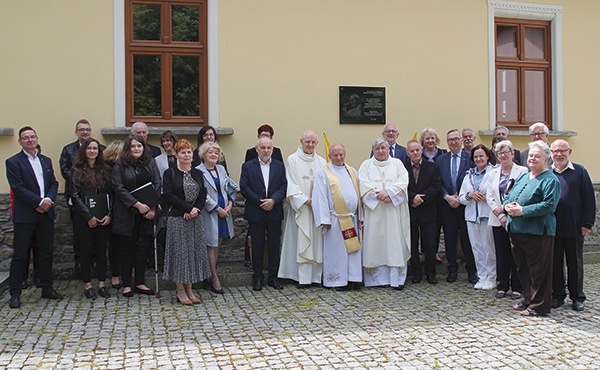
[(422, 327)]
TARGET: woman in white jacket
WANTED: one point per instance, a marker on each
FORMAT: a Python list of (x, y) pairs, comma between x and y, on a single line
[(477, 212), (499, 181), (216, 213)]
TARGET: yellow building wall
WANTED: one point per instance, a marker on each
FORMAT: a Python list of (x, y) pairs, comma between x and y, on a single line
[(282, 62)]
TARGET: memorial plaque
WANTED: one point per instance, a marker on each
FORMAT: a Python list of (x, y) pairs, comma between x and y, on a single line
[(361, 104)]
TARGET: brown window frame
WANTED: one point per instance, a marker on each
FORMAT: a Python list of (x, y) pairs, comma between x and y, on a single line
[(522, 64), (167, 48)]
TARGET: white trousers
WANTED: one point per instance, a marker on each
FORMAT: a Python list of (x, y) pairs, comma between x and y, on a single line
[(484, 250)]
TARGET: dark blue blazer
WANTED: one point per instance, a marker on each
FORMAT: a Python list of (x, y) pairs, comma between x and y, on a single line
[(443, 162), (154, 150), (252, 187), (21, 179)]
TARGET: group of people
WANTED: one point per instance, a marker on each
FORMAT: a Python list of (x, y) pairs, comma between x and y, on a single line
[(517, 215), (122, 196), (320, 222)]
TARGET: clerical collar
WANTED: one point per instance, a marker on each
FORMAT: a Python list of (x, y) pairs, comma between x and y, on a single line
[(568, 167)]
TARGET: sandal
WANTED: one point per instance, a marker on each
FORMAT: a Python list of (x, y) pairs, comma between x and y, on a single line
[(530, 312), (500, 294), (519, 306), (516, 295)]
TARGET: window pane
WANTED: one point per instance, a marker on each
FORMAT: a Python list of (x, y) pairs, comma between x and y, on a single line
[(185, 23), (507, 95), (186, 86), (146, 22), (506, 41), (535, 96), (146, 85), (534, 43)]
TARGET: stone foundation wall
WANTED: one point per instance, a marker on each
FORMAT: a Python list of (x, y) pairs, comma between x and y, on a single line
[(232, 250)]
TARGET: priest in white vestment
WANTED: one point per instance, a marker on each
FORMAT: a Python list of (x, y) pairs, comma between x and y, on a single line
[(302, 248), (386, 234), (342, 256)]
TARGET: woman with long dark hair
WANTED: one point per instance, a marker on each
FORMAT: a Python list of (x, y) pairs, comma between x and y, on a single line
[(90, 182), (133, 219)]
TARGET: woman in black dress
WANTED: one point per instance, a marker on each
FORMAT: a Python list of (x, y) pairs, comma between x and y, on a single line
[(133, 219)]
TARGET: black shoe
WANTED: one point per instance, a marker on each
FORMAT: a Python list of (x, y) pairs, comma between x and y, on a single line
[(247, 264), (341, 288), (303, 286), (432, 279), (15, 302), (416, 279), (473, 278), (128, 294), (399, 287), (215, 290), (578, 306), (143, 291), (24, 285), (116, 286), (256, 285), (556, 303), (38, 282), (50, 293), (452, 276), (103, 292), (273, 283), (355, 285), (89, 293)]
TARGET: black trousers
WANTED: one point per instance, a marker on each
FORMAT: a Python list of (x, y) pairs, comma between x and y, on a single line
[(76, 243), (257, 232), (506, 268), (43, 228), (36, 259), (133, 251), (533, 256), (92, 242), (426, 232), (453, 221), (572, 248)]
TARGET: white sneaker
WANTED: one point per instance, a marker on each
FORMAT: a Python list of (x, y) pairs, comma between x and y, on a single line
[(488, 285), (479, 284)]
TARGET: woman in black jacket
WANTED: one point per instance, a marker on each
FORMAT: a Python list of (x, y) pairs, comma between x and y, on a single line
[(132, 219), (184, 196), (90, 182)]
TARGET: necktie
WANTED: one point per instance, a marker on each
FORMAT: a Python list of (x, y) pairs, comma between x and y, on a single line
[(391, 151), (454, 171)]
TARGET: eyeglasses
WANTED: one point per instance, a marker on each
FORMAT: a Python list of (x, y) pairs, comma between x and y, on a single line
[(390, 131), (506, 152), (534, 134), (559, 151), (453, 139), (82, 129), (30, 137)]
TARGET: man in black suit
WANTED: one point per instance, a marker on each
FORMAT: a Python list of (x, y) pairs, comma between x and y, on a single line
[(83, 131), (264, 186), (453, 168), (141, 129), (31, 177), (423, 191)]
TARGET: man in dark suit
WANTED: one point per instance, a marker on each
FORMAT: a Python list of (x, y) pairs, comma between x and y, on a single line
[(423, 191), (31, 177), (390, 133), (83, 131), (453, 167), (264, 186), (264, 131), (141, 129)]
